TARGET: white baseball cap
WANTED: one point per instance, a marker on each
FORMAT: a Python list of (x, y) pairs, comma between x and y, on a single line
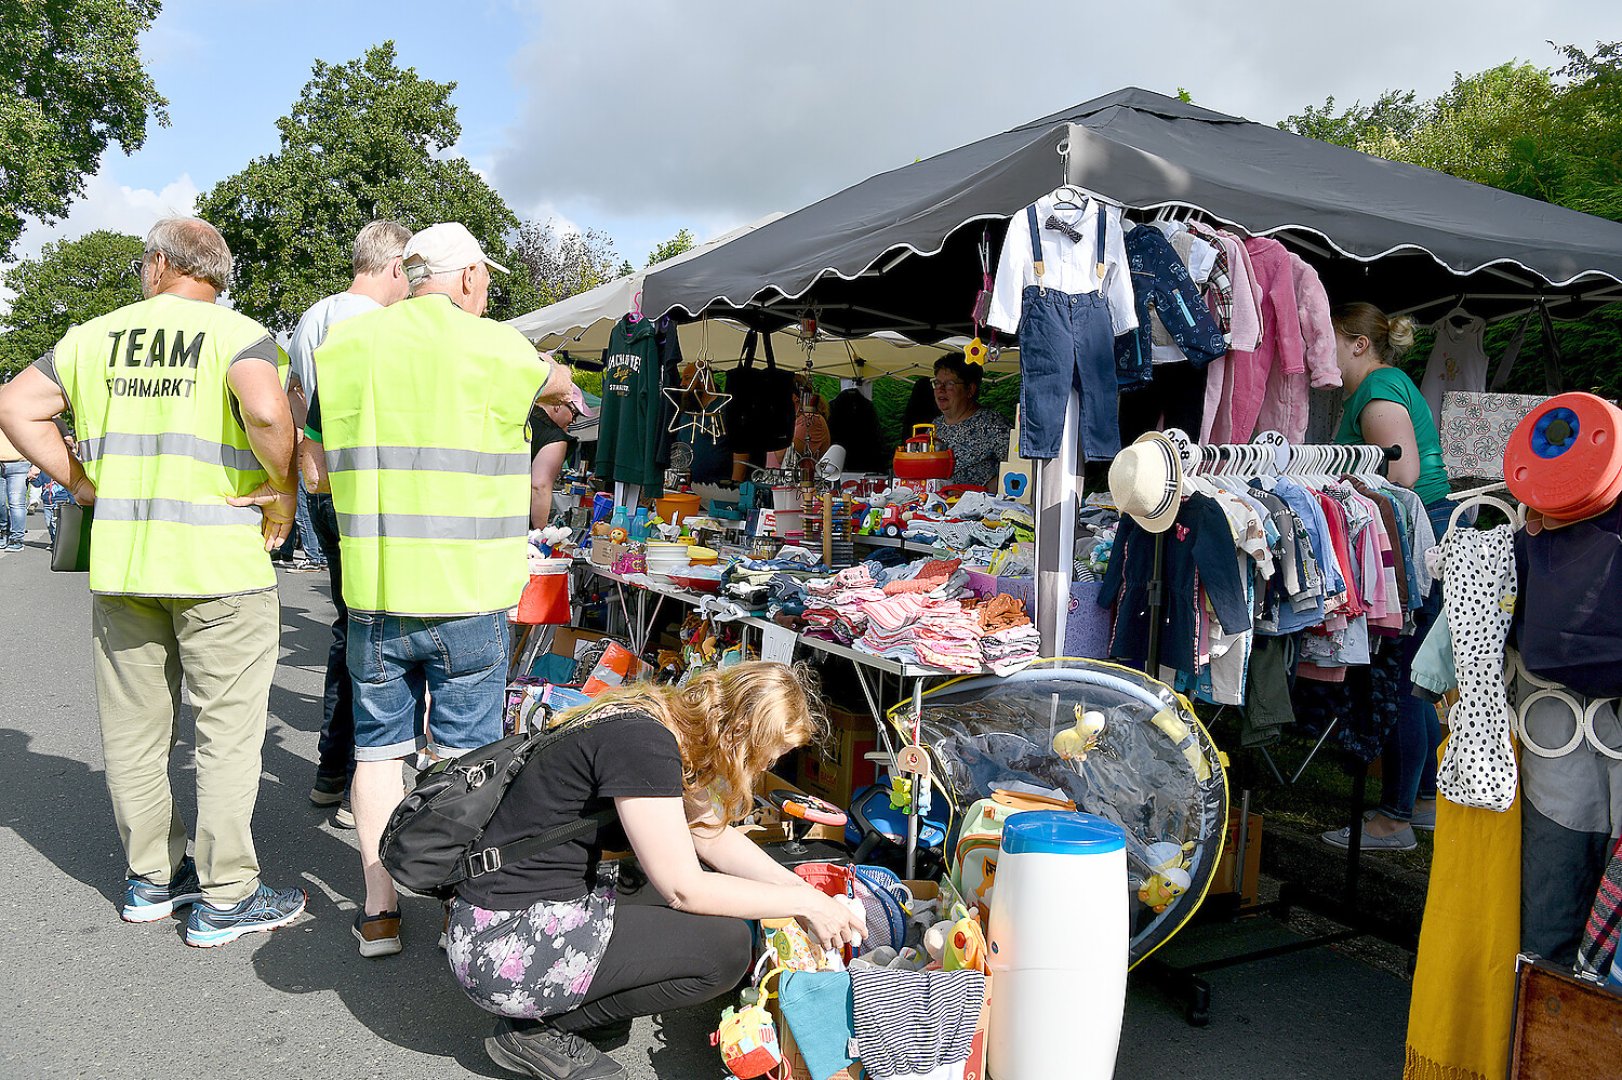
[(443, 249)]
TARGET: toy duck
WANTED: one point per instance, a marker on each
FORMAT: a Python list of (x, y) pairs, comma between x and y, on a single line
[(964, 947), (1158, 891), (1075, 742)]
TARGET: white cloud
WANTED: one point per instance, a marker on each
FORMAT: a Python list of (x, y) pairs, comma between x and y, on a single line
[(695, 110), (107, 204)]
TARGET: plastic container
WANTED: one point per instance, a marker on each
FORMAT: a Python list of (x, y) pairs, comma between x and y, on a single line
[(1057, 948), (675, 506), (1564, 458)]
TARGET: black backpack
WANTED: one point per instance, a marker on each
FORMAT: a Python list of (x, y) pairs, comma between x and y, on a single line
[(431, 843)]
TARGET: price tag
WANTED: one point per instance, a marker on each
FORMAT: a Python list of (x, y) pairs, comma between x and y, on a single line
[(1187, 450), (1278, 444), (777, 644)]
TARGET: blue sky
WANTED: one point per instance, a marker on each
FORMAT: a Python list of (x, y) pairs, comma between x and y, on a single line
[(639, 117)]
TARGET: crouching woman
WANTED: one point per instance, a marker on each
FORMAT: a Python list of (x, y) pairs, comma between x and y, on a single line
[(546, 945)]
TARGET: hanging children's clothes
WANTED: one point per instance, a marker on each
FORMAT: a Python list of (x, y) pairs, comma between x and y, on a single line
[(1457, 360), (1478, 768), (1242, 324), (1568, 626), (1285, 402), (1062, 284), (1198, 550), (1281, 342), (1162, 285)]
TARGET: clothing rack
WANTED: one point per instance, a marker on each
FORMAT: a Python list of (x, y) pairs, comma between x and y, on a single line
[(1249, 459)]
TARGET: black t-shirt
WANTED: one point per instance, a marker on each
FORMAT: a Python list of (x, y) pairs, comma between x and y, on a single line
[(544, 431), (630, 755)]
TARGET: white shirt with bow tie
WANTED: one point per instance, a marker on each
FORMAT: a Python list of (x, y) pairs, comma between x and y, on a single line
[(1069, 266)]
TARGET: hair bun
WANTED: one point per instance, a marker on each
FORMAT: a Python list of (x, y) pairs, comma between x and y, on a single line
[(1401, 334)]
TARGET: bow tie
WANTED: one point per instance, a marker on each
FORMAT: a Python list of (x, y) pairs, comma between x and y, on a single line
[(1058, 226)]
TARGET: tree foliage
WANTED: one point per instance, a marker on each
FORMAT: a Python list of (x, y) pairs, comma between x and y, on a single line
[(682, 241), (1549, 134), (562, 261), (365, 140), (70, 282), (71, 83)]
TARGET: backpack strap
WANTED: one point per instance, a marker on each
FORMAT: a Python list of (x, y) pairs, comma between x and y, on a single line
[(481, 862)]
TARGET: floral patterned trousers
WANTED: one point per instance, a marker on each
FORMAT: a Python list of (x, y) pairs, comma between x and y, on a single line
[(537, 962)]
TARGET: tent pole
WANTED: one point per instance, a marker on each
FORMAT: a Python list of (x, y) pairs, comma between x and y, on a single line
[(1057, 484)]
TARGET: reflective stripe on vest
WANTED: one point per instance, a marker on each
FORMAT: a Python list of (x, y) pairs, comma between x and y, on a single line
[(429, 458), (182, 513), (160, 438), (423, 414), (431, 527), (169, 442)]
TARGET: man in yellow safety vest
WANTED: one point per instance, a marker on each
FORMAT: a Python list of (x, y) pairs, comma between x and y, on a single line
[(183, 431), (417, 428)]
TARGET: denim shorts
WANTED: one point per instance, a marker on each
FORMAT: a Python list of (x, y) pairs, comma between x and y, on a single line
[(396, 662), (1066, 342)]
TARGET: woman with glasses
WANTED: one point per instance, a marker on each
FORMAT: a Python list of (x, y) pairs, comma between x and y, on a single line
[(549, 446), (977, 436)]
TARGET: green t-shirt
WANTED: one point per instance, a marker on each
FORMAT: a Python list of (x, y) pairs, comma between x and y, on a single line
[(1389, 384)]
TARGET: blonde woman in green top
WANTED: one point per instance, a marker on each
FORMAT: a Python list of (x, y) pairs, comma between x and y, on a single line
[(1384, 408)]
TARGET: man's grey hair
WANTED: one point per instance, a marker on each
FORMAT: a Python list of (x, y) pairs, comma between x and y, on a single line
[(377, 245), (194, 248)]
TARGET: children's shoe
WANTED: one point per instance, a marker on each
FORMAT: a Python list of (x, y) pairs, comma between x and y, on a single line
[(379, 935), (146, 902), (263, 909)]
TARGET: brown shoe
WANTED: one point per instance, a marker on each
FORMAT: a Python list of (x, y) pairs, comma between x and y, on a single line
[(379, 935)]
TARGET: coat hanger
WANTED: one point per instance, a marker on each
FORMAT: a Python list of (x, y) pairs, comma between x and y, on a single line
[(636, 308), (1069, 197)]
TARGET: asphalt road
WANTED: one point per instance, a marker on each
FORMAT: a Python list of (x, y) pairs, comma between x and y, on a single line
[(84, 995)]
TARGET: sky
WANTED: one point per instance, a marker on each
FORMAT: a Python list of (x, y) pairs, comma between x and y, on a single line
[(642, 117)]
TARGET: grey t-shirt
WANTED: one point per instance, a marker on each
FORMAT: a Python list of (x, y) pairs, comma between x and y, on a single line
[(312, 331)]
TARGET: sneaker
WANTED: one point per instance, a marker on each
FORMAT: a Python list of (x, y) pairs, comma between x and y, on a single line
[(14, 547), (1424, 815), (307, 566), (1401, 840), (379, 935), (345, 817), (541, 1050), (263, 909), (146, 902), (329, 790)]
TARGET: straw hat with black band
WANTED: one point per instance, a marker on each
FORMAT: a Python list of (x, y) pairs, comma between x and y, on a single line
[(1146, 482)]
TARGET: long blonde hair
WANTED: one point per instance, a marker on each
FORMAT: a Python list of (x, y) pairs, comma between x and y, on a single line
[(731, 725)]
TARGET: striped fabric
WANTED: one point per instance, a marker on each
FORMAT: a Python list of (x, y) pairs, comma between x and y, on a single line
[(1604, 921), (910, 1023)]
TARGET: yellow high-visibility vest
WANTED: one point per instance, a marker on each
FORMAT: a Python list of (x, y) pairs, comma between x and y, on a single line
[(160, 436), (423, 419)]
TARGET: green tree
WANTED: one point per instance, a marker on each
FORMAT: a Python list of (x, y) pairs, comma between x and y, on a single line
[(1554, 135), (72, 82), (364, 140), (71, 281), (563, 262), (682, 241)]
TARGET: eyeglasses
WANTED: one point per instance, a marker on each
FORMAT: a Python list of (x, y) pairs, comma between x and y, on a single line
[(138, 266), (945, 384)]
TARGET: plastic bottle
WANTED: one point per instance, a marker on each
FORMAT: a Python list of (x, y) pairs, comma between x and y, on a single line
[(639, 525), (619, 520)]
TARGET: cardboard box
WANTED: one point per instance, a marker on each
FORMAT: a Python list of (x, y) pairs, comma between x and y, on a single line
[(1222, 880), (840, 769)]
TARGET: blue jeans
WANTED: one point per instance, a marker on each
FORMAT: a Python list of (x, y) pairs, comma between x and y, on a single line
[(398, 662), (1066, 342), (1410, 748), (308, 536), (14, 521)]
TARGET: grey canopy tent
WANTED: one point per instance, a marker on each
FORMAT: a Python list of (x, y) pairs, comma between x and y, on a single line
[(897, 251)]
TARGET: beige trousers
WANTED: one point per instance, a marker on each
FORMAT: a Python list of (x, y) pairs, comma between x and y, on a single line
[(226, 649)]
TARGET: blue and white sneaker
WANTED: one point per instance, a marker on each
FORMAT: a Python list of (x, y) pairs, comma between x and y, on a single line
[(264, 909), (146, 902)]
